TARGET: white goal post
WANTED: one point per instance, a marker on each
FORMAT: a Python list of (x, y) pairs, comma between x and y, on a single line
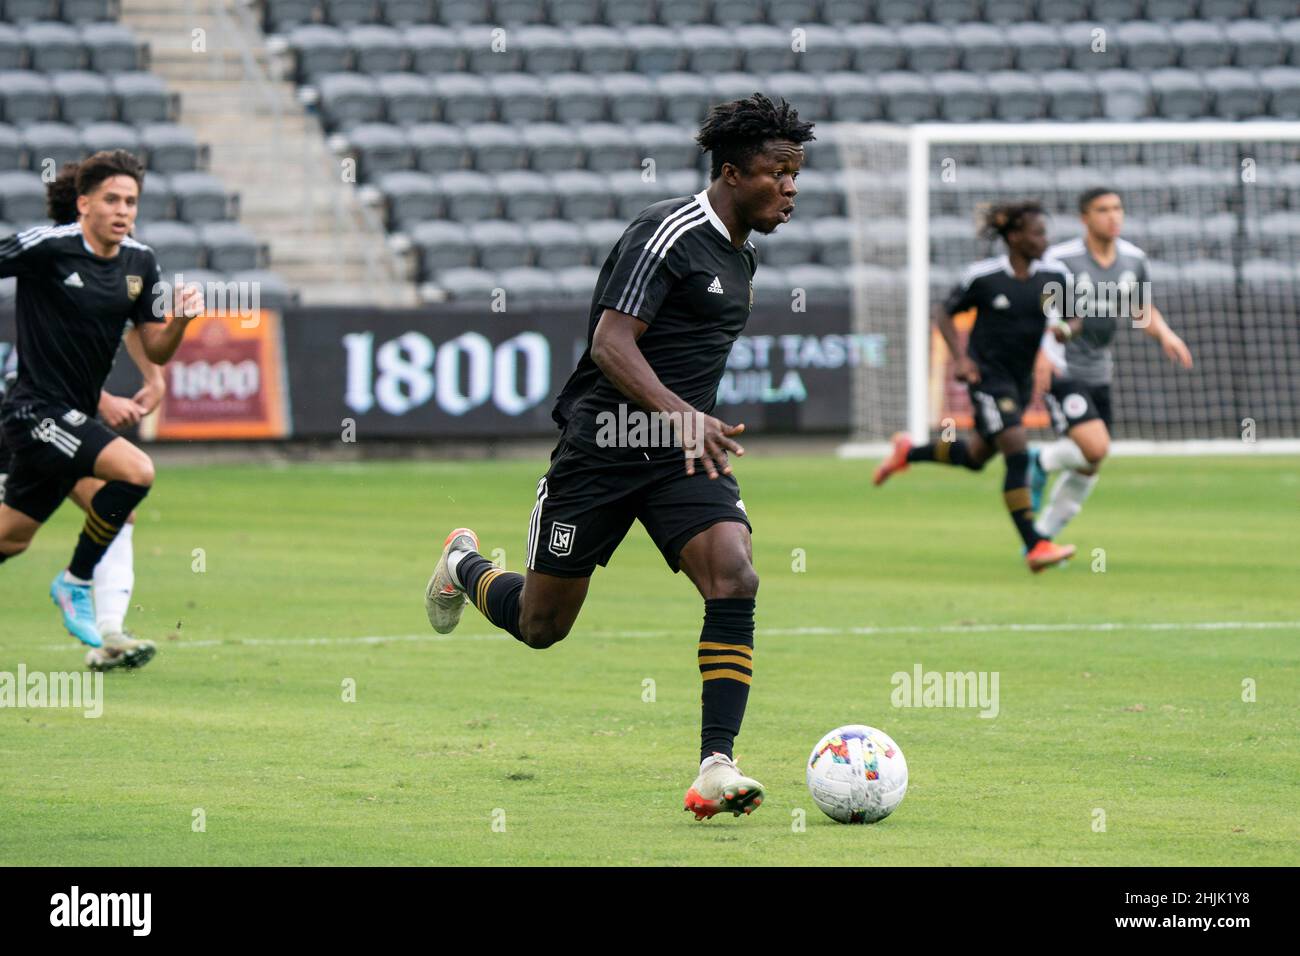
[(1216, 205)]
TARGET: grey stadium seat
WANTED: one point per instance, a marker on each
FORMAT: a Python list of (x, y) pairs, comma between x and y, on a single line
[(731, 86), (1179, 94), (1290, 30), (434, 49), (141, 97), (57, 141), (765, 48), (54, 46), (850, 98), (824, 152), (791, 245), (826, 50), (557, 244), (713, 50), (112, 48), (1283, 86), (230, 247), (875, 48), (526, 284), (571, 12), (954, 11), (820, 283), (1224, 9), (349, 12), (282, 15), (1038, 47), (963, 97), (771, 287), (577, 282), (469, 196), (408, 98), (1125, 94), (1236, 93), (157, 199), (1201, 45), (906, 97), (1016, 96), (1279, 235), (632, 98), (655, 50), (27, 97), (1114, 11), (577, 98), (484, 55), (983, 48), (1071, 95), (684, 97), (1255, 44), (499, 244), (348, 99), (600, 50), (11, 48), (438, 147), (272, 291), (958, 196), (519, 98), (410, 197), (466, 285), (1171, 9), (820, 194), (1146, 46), (835, 11), (83, 97), (805, 93), (601, 237), (403, 12), (175, 244), (85, 11), (1008, 11), (319, 49), (526, 196), (682, 12), (624, 12), (1274, 9), (20, 11), (583, 195), (376, 49), (101, 136), (443, 246), (1201, 189), (545, 50), (463, 98), (170, 148), (456, 12), (833, 239), (22, 197), (632, 193), (952, 238), (609, 148), (670, 146), (516, 12), (929, 48), (552, 147), (11, 146), (1090, 46), (495, 147), (200, 197), (380, 148)]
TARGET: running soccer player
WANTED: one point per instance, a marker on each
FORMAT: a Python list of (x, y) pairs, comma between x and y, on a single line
[(671, 298), (1110, 278), (78, 287), (1010, 295)]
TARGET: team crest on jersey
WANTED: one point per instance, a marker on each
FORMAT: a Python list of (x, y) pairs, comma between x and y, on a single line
[(562, 539), (134, 286), (74, 417), (1007, 404), (1075, 405)]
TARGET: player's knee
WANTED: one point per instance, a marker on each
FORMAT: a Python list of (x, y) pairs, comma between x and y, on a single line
[(543, 633), (1097, 450), (141, 472), (740, 582), (11, 548)]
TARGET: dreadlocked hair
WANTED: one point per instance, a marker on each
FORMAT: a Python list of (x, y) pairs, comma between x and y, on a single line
[(998, 220), (736, 132)]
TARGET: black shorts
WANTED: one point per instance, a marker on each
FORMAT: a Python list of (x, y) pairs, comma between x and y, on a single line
[(587, 501), (1073, 403), (53, 447), (998, 402)]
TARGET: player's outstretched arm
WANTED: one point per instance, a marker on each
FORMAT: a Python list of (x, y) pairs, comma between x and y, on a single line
[(161, 340), (964, 369), (1172, 344), (155, 382), (615, 351)]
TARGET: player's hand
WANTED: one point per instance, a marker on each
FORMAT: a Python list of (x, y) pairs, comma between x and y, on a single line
[(1042, 375), (189, 301), (149, 397), (966, 371), (714, 445), (119, 412), (1176, 349)]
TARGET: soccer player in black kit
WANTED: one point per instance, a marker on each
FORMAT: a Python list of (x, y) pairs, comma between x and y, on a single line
[(78, 286), (1011, 296), (672, 297)]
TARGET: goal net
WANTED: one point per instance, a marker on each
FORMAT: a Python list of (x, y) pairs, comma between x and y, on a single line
[(1215, 207)]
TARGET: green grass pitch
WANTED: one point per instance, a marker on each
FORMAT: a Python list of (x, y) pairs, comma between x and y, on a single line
[(1118, 740)]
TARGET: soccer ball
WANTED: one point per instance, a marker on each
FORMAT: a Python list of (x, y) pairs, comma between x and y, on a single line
[(857, 774)]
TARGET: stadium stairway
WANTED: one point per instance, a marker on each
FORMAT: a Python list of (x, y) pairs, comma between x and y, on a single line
[(265, 146)]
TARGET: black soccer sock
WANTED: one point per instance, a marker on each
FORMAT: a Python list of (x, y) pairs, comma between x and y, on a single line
[(945, 453), (495, 593), (726, 658), (108, 511), (1015, 492)]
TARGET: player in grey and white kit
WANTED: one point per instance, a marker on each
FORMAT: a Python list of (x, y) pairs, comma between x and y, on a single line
[(1110, 281)]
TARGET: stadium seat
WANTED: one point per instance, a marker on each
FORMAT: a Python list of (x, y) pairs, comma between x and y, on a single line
[(1283, 86), (83, 97), (963, 97), (875, 49), (1166, 10), (1016, 96), (141, 97), (839, 12), (1071, 96), (826, 49), (282, 15), (112, 47), (684, 97), (347, 99), (1224, 9), (608, 148), (176, 245), (545, 50), (600, 50), (557, 244), (1089, 46), (1179, 94), (952, 238), (632, 98), (380, 148), (404, 12), (106, 136), (954, 11), (434, 49), (1008, 11), (957, 196), (27, 97), (819, 283), (199, 197), (632, 193), (575, 98), (1038, 47), (518, 98), (438, 147), (1201, 45), (495, 147), (318, 50), (526, 196), (619, 13), (157, 199), (499, 244), (11, 48), (483, 53), (552, 147), (821, 194), (771, 286), (376, 49), (711, 49), (1116, 11), (408, 98), (655, 50), (583, 195), (1125, 94), (469, 196), (460, 12), (410, 197), (983, 48), (442, 246), (670, 146), (463, 98), (230, 247), (1273, 9), (1255, 44), (57, 141), (793, 244), (272, 291), (526, 284), (567, 13), (851, 98), (466, 285), (1236, 94), (805, 92), (929, 48), (906, 97), (676, 13), (53, 46), (346, 13), (1279, 235), (824, 152), (833, 240), (1290, 30), (1199, 190), (577, 282), (601, 236), (22, 198), (517, 12), (11, 146), (22, 11), (765, 48), (1146, 46)]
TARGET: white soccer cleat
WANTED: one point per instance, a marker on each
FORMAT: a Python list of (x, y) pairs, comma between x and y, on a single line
[(120, 650), (444, 599), (722, 788)]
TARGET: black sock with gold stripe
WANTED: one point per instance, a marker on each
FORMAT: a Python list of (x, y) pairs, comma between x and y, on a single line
[(1015, 492), (494, 592), (726, 667), (108, 511), (945, 453)]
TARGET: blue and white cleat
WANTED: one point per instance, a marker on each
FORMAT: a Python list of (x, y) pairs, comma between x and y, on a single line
[(1037, 481), (78, 607)]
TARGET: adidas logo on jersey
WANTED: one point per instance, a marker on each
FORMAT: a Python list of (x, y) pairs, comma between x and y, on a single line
[(716, 286), (74, 280), (1001, 302)]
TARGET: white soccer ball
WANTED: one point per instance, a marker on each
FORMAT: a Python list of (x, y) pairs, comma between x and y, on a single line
[(857, 774)]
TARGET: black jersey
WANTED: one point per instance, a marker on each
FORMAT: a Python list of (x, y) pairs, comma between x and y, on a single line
[(72, 309), (675, 269), (1011, 314)]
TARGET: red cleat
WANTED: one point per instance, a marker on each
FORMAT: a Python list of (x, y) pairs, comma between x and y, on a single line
[(897, 460), (1047, 553)]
